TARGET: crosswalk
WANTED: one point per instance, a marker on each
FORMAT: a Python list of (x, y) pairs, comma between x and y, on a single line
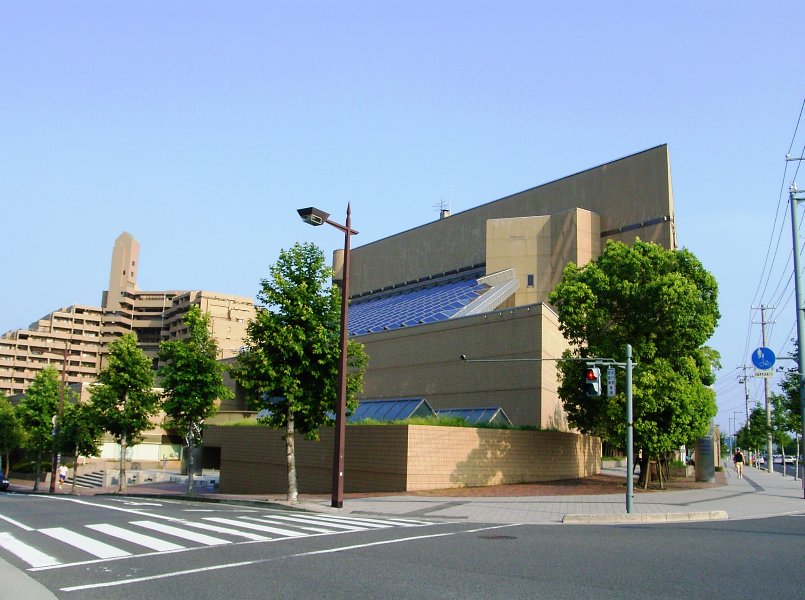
[(54, 547)]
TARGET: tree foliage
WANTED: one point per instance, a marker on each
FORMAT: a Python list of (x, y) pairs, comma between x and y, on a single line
[(192, 380), (753, 433), (124, 397), (290, 364), (36, 412), (11, 433), (789, 404), (80, 433), (663, 303)]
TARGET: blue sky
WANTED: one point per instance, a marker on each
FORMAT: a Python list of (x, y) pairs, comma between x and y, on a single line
[(200, 127)]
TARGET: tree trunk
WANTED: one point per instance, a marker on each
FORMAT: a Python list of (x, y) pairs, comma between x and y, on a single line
[(75, 469), (290, 455), (644, 471), (38, 469), (121, 485), (190, 462)]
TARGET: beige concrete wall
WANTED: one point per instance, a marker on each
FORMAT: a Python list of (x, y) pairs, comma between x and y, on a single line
[(541, 247), (625, 192), (399, 458), (425, 361)]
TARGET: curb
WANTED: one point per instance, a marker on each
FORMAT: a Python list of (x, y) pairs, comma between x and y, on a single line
[(589, 519)]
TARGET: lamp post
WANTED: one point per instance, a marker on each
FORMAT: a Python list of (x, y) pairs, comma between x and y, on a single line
[(57, 422), (314, 216)]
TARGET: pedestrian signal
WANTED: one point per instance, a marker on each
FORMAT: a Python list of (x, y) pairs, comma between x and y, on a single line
[(592, 382)]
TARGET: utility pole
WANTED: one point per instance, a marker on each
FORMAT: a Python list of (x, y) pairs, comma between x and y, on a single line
[(763, 323), (800, 317), (745, 380)]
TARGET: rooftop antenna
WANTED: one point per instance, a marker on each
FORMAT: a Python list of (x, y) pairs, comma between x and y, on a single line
[(444, 207)]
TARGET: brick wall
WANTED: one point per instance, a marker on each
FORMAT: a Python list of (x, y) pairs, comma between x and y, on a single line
[(399, 458)]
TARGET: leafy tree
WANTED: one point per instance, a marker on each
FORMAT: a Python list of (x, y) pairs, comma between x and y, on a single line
[(80, 433), (192, 381), (753, 433), (290, 364), (782, 422), (790, 402), (36, 412), (11, 434), (663, 303), (124, 398)]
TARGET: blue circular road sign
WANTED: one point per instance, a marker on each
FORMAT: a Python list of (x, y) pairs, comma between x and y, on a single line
[(763, 358)]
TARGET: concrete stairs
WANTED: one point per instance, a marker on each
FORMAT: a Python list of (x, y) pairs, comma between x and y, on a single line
[(93, 479)]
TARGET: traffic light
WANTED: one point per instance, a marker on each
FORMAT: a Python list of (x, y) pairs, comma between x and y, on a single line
[(592, 381)]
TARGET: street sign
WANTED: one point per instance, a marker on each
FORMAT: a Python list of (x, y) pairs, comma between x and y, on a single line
[(763, 359), (611, 382), (766, 374)]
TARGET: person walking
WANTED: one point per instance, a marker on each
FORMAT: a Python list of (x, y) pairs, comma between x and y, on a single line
[(62, 475), (738, 459)]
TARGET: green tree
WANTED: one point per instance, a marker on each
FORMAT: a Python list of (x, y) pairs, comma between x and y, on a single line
[(124, 397), (80, 433), (790, 402), (37, 411), (11, 434), (192, 381), (290, 364), (663, 303), (753, 434)]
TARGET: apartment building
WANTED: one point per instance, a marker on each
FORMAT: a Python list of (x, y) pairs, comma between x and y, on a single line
[(74, 340), (68, 339)]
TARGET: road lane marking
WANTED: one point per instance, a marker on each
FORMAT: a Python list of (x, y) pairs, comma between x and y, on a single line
[(82, 542), (207, 540), (27, 553), (135, 538)]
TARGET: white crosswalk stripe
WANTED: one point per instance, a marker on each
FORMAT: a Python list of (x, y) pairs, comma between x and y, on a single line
[(256, 527), (227, 530), (265, 527), (194, 536), (136, 538), (315, 521), (27, 553), (82, 542)]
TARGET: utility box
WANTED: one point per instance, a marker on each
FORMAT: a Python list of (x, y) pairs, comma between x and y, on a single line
[(705, 459)]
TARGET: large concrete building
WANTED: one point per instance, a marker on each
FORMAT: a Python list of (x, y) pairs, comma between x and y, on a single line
[(476, 284), (81, 334)]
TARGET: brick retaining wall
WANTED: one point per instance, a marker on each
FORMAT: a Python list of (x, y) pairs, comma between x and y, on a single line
[(399, 458)]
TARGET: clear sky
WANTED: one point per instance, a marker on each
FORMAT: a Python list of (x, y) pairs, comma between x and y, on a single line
[(200, 127)]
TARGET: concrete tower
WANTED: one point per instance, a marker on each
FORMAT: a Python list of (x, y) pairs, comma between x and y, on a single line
[(123, 273)]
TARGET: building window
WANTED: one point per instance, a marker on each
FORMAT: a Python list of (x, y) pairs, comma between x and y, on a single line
[(530, 278)]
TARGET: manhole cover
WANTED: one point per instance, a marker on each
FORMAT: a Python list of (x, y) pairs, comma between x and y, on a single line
[(497, 537)]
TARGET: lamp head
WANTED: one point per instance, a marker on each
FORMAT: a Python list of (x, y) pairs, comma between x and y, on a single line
[(313, 216)]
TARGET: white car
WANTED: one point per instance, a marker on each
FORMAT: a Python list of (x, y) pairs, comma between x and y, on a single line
[(760, 460)]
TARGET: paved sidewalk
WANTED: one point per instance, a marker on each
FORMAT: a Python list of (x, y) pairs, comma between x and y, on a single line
[(758, 494)]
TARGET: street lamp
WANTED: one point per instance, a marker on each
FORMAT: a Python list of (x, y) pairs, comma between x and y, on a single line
[(57, 422), (314, 216)]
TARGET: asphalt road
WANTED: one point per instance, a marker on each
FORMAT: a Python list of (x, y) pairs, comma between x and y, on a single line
[(137, 549)]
